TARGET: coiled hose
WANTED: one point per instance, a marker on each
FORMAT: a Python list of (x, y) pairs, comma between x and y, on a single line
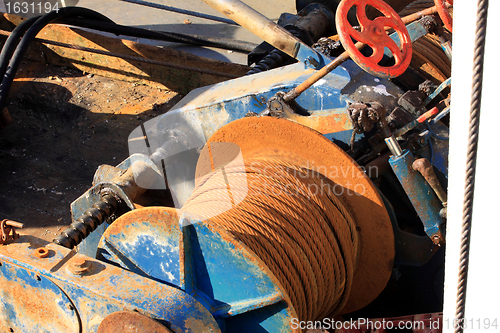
[(293, 220)]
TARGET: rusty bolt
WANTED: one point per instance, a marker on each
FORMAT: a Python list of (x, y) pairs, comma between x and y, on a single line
[(42, 252), (436, 239), (79, 266)]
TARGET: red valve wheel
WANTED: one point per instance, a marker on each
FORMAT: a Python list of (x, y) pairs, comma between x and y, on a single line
[(444, 14), (373, 34)]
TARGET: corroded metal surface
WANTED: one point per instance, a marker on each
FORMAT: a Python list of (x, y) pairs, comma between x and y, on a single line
[(444, 14), (101, 291), (42, 252), (130, 322), (127, 181), (259, 25), (420, 194), (8, 231), (423, 166), (128, 70), (283, 139), (31, 303), (204, 261)]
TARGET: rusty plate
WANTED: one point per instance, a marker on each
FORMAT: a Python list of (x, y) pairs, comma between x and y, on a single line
[(130, 322), (297, 144), (32, 303), (162, 227)]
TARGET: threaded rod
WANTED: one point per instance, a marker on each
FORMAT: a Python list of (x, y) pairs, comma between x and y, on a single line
[(88, 222)]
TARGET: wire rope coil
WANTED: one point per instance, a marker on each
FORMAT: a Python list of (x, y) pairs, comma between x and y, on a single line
[(293, 220)]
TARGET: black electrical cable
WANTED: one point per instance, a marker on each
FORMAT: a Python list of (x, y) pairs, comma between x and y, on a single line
[(470, 176), (87, 18), (29, 35), (17, 34), (117, 29), (12, 41)]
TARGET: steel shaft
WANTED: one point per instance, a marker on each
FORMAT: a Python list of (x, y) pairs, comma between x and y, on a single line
[(258, 24)]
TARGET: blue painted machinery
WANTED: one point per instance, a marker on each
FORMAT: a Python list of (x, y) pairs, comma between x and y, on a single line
[(165, 269)]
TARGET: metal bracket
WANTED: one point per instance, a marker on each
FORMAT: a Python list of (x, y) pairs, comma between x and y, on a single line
[(8, 231)]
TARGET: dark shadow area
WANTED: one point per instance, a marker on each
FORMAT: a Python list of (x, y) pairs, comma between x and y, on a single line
[(65, 126), (177, 79), (411, 290), (213, 29)]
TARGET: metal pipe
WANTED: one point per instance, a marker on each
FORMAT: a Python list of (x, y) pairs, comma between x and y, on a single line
[(418, 15), (117, 29), (420, 194), (295, 92), (181, 11), (423, 166), (394, 146), (14, 224), (441, 115), (258, 24), (442, 86)]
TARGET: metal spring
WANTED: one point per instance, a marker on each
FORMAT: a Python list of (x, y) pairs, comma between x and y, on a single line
[(88, 222), (274, 59)]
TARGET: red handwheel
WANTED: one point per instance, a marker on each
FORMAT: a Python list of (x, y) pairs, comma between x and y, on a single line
[(444, 14), (374, 35)]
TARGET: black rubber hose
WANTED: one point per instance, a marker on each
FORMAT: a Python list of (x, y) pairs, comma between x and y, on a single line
[(12, 41), (117, 29), (33, 30)]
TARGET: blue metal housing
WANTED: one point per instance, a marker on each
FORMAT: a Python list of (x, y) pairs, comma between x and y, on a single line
[(84, 300), (419, 192), (168, 246)]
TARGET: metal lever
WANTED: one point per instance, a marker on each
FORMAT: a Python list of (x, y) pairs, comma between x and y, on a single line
[(8, 231), (423, 166), (266, 29)]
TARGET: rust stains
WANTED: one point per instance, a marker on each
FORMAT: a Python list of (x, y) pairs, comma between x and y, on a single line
[(131, 322)]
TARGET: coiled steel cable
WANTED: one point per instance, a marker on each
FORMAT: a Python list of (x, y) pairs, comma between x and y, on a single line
[(293, 220), (475, 111)]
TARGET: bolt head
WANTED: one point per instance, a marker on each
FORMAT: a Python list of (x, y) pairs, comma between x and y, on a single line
[(79, 266), (436, 239), (78, 262)]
